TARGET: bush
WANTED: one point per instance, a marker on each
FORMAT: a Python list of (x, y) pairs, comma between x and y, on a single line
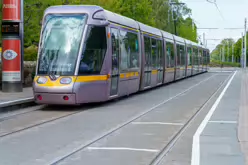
[(30, 53), (216, 63)]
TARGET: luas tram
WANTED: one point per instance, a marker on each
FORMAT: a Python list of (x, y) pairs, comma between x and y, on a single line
[(88, 54)]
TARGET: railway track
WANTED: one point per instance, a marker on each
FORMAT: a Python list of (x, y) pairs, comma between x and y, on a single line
[(157, 160), (36, 116), (62, 112), (86, 144), (167, 148)]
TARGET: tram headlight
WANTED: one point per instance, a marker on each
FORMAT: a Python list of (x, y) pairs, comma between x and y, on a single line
[(42, 80), (65, 80)]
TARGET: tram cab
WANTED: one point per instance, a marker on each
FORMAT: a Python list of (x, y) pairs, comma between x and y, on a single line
[(72, 65)]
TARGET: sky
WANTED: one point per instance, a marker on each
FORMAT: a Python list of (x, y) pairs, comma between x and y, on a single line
[(232, 15)]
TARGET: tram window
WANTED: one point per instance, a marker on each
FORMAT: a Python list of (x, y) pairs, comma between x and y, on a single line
[(200, 57), (160, 53), (125, 52), (129, 50), (189, 56), (115, 49), (147, 51), (154, 53), (133, 44), (182, 52), (178, 55), (196, 57), (61, 39), (94, 51), (170, 55), (204, 57)]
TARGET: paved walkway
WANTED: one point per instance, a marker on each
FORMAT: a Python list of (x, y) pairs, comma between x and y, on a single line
[(224, 139), (9, 97), (243, 116), (219, 142)]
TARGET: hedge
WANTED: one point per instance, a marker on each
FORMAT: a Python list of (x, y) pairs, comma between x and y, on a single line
[(30, 53), (215, 63)]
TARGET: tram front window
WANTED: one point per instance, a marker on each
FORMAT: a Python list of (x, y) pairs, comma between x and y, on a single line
[(95, 47), (60, 43)]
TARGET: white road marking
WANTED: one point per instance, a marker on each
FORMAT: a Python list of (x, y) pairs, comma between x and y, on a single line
[(195, 157), (157, 123), (122, 148), (224, 122), (220, 71)]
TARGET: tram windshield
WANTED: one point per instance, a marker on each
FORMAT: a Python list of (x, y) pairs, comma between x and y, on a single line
[(60, 43)]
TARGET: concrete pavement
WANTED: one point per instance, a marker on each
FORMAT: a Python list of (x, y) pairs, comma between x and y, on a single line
[(133, 130)]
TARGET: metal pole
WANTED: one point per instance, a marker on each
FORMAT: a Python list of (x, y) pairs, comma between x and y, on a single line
[(220, 54), (242, 52), (223, 53), (204, 39), (223, 59), (169, 11), (228, 51), (175, 23), (245, 46), (232, 51)]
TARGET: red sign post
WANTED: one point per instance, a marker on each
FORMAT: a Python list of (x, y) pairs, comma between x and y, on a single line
[(12, 45)]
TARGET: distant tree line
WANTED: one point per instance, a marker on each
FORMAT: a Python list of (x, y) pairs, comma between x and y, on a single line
[(227, 48), (151, 12)]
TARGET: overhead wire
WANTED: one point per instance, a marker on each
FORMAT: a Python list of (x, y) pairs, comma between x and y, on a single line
[(214, 2)]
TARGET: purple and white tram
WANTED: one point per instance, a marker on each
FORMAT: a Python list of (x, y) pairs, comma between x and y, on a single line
[(88, 54)]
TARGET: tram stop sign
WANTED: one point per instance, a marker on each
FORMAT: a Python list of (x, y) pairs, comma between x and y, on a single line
[(12, 45)]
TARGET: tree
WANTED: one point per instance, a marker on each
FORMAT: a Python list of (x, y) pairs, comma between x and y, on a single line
[(151, 12)]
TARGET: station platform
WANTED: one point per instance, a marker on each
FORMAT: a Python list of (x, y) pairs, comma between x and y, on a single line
[(222, 135), (9, 99)]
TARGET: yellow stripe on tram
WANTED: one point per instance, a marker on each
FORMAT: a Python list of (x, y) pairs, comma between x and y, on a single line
[(77, 79), (92, 78), (129, 74), (154, 71), (56, 83)]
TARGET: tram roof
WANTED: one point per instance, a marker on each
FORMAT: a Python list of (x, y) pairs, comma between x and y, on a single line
[(179, 39), (119, 19), (149, 29), (88, 9), (167, 35), (91, 10)]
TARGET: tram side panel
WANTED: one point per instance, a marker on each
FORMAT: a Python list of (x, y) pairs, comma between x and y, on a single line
[(189, 61), (94, 84), (177, 67), (134, 61), (125, 59), (169, 50), (195, 60), (201, 61), (183, 60)]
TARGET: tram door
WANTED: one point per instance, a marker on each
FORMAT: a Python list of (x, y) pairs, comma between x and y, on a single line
[(160, 61), (148, 68), (115, 62)]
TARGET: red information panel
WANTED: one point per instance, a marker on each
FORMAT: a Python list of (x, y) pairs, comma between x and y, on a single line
[(11, 10), (11, 59)]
